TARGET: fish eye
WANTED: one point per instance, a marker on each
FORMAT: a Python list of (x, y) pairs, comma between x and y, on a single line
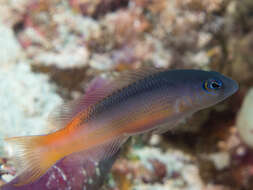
[(212, 84)]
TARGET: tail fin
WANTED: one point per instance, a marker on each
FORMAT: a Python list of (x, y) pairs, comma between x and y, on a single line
[(32, 157)]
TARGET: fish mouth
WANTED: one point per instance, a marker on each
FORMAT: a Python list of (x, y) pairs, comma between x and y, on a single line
[(233, 87), (236, 87)]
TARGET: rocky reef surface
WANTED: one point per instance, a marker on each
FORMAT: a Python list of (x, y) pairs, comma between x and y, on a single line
[(51, 49)]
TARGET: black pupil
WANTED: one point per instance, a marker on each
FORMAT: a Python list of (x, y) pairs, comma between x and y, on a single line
[(215, 85)]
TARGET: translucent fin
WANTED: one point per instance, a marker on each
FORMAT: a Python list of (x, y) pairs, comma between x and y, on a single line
[(101, 88), (32, 157), (100, 152), (160, 129), (98, 89), (64, 113), (106, 150), (163, 128), (128, 77)]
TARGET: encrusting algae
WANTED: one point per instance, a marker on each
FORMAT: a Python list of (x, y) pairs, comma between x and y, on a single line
[(111, 111)]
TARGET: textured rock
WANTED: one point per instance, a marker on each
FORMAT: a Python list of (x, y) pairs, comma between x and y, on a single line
[(9, 46), (72, 41), (245, 119), (181, 171), (74, 173), (26, 100)]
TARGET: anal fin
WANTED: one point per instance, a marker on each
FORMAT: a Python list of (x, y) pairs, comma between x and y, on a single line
[(98, 153)]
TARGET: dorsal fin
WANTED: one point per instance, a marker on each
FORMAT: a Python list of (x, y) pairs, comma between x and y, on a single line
[(64, 113), (98, 89), (128, 77)]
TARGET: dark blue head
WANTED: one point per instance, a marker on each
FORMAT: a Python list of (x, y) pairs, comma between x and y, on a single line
[(211, 87), (203, 88)]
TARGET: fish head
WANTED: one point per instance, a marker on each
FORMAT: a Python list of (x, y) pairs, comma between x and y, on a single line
[(210, 88)]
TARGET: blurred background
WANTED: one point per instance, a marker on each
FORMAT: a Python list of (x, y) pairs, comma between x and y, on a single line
[(51, 49)]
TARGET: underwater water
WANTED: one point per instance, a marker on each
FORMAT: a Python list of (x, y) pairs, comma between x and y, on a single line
[(51, 50)]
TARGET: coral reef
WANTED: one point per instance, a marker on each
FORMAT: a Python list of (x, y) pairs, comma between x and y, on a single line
[(154, 169), (50, 49), (245, 120), (81, 175), (23, 112)]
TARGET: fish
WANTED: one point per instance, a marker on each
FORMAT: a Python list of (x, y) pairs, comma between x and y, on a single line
[(100, 122)]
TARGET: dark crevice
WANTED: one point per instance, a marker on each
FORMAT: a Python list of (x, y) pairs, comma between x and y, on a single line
[(18, 27), (109, 6), (104, 7), (68, 80)]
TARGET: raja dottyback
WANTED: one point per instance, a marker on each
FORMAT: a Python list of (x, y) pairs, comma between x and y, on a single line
[(111, 111)]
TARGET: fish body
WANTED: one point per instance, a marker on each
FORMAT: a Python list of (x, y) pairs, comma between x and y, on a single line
[(101, 121)]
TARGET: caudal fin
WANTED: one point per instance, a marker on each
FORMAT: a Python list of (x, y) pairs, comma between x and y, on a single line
[(32, 157)]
